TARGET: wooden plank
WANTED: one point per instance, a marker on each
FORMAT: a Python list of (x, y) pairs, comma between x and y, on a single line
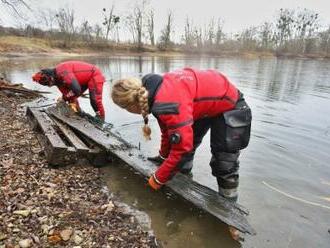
[(45, 124), (56, 150), (72, 137), (94, 154), (203, 197)]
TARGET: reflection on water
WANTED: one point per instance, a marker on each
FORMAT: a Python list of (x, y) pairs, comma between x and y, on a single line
[(175, 222), (289, 149)]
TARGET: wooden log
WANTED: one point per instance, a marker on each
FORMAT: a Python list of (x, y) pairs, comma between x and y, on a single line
[(203, 197)]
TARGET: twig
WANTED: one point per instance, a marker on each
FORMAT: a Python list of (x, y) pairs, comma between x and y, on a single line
[(35, 180)]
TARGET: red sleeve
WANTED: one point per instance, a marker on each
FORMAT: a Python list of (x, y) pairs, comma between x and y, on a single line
[(67, 76), (95, 92), (165, 142), (182, 125)]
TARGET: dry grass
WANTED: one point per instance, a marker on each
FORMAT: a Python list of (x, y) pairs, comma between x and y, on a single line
[(23, 44)]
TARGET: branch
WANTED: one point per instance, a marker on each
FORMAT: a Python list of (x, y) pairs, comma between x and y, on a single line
[(11, 4)]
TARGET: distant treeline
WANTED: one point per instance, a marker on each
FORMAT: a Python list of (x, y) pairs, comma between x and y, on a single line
[(293, 32)]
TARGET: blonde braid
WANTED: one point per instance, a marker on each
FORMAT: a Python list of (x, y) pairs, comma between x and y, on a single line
[(128, 93), (143, 103)]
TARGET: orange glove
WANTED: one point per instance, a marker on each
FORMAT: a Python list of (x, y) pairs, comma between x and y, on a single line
[(154, 183), (74, 107), (234, 233)]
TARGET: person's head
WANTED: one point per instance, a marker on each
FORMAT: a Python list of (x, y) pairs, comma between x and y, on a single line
[(45, 77), (131, 95)]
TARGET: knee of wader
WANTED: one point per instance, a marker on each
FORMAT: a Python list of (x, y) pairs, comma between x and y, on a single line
[(224, 163), (229, 181)]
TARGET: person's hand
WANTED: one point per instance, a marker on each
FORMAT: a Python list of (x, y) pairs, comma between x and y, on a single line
[(153, 183), (234, 233), (60, 99), (74, 107), (98, 115), (98, 118), (158, 160)]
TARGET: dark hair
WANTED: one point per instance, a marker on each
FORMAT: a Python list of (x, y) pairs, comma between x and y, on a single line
[(48, 72)]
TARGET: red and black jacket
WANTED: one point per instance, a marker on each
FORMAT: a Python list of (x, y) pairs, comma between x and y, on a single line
[(178, 99), (75, 77)]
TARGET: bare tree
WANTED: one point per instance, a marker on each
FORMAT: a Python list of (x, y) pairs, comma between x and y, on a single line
[(219, 34), (165, 37), (66, 22), (135, 22), (198, 36), (188, 36), (209, 33), (266, 35), (248, 39), (151, 26), (116, 20), (306, 24), (97, 30), (325, 41), (86, 31), (47, 19), (284, 25), (139, 11), (110, 22)]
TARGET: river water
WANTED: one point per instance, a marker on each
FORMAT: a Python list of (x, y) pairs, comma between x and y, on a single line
[(284, 173)]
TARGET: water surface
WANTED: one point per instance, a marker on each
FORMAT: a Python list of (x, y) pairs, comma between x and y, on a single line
[(285, 171)]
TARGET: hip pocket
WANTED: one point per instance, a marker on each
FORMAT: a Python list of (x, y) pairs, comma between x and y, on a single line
[(238, 128)]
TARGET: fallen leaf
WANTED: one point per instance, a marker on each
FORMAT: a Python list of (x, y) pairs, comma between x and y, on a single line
[(66, 234), (54, 239), (24, 213)]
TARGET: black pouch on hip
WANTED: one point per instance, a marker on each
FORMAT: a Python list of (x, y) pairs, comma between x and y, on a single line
[(238, 128)]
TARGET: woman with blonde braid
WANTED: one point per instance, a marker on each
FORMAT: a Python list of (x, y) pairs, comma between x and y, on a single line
[(130, 94), (187, 103)]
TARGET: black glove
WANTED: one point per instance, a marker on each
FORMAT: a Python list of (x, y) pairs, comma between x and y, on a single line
[(157, 159), (98, 119)]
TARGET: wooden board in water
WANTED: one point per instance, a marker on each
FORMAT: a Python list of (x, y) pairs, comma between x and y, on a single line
[(203, 197)]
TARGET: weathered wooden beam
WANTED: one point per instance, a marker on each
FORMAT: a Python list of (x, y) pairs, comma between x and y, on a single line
[(56, 150), (62, 145), (203, 197), (74, 140)]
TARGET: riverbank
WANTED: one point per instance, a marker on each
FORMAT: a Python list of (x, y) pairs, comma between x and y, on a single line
[(42, 206), (17, 46)]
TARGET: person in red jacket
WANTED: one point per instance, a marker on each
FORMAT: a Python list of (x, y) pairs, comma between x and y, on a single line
[(187, 103), (73, 78)]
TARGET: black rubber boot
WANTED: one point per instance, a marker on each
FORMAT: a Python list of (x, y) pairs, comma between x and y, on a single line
[(229, 193), (225, 168)]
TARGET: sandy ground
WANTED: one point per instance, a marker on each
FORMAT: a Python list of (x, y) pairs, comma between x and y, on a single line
[(42, 206)]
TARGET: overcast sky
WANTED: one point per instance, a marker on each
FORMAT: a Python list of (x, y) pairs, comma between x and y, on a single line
[(236, 14)]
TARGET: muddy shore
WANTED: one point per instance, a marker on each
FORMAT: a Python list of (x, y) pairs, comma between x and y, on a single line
[(41, 206)]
